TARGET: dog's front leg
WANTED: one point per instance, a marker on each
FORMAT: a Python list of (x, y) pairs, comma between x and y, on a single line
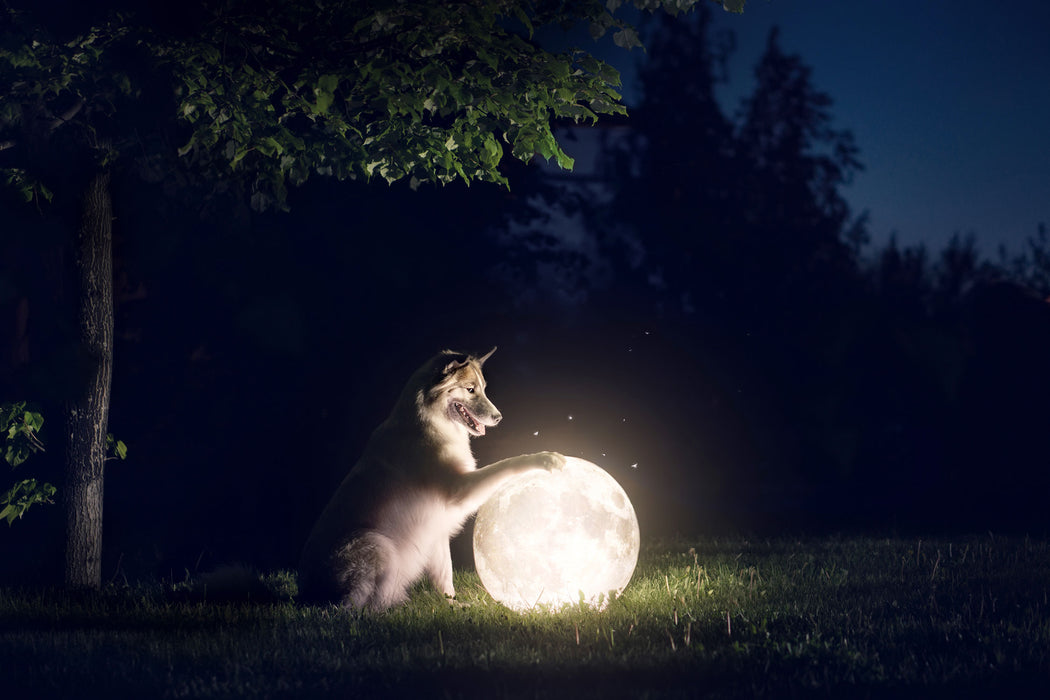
[(474, 488), (439, 569)]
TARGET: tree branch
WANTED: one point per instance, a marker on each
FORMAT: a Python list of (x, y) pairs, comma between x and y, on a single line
[(67, 115), (58, 121)]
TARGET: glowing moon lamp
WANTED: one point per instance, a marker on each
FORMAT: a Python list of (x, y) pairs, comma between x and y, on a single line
[(548, 538)]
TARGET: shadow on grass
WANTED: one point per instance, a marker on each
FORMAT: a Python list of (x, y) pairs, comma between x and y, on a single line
[(838, 617)]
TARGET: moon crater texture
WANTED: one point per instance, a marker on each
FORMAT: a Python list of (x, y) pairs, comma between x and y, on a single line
[(552, 538)]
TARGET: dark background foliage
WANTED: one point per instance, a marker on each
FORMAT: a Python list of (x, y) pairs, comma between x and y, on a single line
[(698, 312)]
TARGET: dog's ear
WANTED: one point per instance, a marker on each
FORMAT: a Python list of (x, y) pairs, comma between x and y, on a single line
[(456, 361), (481, 360)]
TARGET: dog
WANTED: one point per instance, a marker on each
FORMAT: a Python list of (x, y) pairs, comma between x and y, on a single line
[(391, 519)]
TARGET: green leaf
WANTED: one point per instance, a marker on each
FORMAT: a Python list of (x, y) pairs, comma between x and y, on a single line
[(522, 17), (23, 495), (565, 162), (239, 155), (9, 513), (269, 146), (627, 38), (601, 24), (117, 447), (590, 64), (328, 82), (324, 93), (21, 427), (545, 147), (565, 94), (13, 456), (34, 421), (561, 68), (608, 74), (493, 151)]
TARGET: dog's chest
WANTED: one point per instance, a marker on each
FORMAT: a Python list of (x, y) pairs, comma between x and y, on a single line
[(421, 516)]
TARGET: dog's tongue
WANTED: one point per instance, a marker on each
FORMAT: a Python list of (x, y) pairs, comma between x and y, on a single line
[(472, 423)]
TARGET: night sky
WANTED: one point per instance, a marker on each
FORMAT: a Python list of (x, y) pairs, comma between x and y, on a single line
[(948, 101)]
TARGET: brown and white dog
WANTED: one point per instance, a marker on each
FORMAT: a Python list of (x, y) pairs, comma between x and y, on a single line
[(390, 521)]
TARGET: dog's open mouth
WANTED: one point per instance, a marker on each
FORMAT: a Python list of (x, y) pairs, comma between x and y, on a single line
[(468, 419)]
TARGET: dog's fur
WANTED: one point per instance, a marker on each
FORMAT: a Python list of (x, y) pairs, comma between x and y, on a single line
[(390, 521)]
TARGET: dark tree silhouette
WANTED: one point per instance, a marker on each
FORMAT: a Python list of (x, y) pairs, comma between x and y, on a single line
[(266, 94), (750, 256), (674, 176), (795, 216), (1031, 266)]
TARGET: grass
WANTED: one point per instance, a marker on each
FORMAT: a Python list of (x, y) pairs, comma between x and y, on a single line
[(841, 616)]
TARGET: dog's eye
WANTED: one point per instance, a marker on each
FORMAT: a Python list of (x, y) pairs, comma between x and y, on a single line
[(470, 390)]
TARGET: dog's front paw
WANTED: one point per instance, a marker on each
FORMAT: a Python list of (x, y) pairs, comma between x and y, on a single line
[(551, 461)]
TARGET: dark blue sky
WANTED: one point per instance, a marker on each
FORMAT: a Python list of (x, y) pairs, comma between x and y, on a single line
[(949, 101)]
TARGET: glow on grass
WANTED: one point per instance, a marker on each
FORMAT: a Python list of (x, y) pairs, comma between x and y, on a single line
[(547, 538)]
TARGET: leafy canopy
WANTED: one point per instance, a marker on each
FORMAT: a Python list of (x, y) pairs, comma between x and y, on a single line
[(20, 428), (55, 90), (274, 91)]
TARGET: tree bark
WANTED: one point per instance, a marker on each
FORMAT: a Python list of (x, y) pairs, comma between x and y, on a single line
[(87, 412)]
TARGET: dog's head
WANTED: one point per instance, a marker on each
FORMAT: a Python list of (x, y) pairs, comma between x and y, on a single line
[(458, 392)]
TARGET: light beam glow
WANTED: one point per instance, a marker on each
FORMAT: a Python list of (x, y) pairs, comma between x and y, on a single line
[(550, 538)]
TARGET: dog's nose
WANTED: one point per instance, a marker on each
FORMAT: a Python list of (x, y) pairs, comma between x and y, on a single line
[(497, 418)]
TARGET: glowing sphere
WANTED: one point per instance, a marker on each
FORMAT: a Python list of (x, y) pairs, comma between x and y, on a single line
[(548, 538)]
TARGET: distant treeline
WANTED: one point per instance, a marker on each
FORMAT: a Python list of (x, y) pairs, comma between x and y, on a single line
[(699, 298)]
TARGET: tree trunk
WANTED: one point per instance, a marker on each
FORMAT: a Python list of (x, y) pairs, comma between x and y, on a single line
[(87, 413)]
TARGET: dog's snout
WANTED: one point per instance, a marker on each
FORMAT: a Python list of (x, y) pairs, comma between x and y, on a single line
[(496, 417)]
